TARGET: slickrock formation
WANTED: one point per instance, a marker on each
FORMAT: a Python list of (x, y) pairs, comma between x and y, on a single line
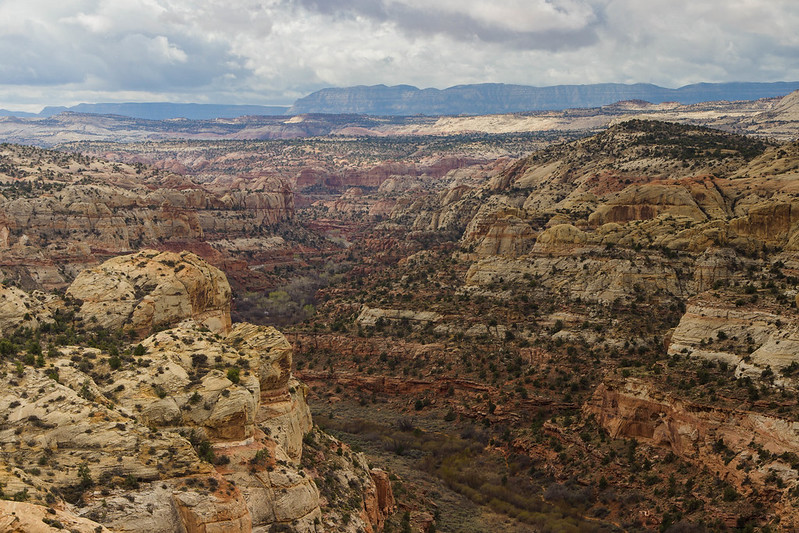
[(149, 289), (716, 265), (79, 442), (647, 201), (114, 218), (499, 229), (508, 236), (20, 308), (773, 223), (561, 239), (370, 316), (642, 208), (347, 477), (200, 428), (599, 279)]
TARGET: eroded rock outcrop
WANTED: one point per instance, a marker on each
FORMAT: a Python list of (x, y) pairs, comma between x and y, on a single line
[(18, 308), (347, 476), (508, 236), (373, 316), (645, 202), (79, 444), (595, 278), (149, 289), (561, 239), (21, 517), (727, 441), (774, 223), (61, 212)]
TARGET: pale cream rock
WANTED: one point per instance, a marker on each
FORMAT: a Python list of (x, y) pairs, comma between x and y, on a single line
[(153, 289), (21, 517)]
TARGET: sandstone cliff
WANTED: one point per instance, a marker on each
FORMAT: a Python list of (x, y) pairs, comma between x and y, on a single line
[(593, 216), (754, 337)]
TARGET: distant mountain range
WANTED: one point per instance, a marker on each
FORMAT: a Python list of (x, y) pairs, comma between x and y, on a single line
[(158, 110), (492, 98), (406, 100)]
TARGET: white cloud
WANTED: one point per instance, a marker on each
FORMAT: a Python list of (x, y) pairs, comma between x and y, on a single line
[(272, 51)]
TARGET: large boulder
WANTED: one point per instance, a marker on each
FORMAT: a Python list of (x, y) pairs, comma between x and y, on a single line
[(560, 239)]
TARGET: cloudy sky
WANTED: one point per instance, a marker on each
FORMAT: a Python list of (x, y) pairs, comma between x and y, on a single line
[(63, 52)]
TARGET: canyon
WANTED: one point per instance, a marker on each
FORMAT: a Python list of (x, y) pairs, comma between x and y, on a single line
[(565, 330)]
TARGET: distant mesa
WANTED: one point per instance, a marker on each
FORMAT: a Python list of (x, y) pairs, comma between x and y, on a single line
[(407, 100), (495, 98)]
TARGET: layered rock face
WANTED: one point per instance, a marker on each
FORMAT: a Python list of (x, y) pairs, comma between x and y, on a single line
[(743, 448), (603, 278), (117, 217), (371, 316), (497, 231), (348, 478), (753, 338), (58, 212), (645, 202), (643, 208), (199, 429)]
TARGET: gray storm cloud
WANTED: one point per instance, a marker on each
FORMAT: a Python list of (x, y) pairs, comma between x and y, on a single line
[(546, 25)]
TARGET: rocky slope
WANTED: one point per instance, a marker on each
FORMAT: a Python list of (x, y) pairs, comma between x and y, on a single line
[(199, 427), (576, 340), (149, 290), (591, 207), (751, 329)]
